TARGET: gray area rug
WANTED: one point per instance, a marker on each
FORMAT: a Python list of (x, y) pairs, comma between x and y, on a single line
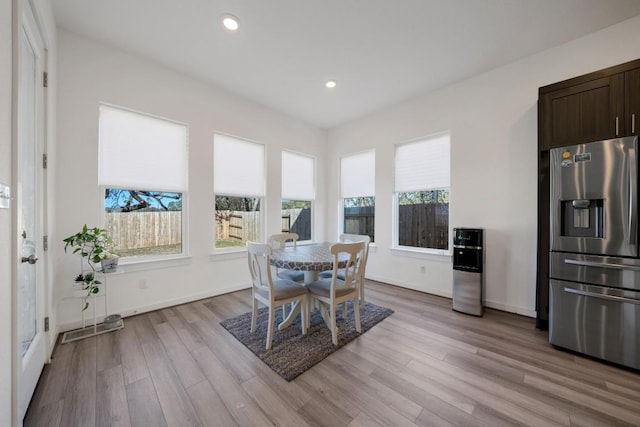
[(293, 353)]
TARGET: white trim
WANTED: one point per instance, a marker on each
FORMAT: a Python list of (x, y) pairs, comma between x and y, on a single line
[(528, 312), (408, 285), (421, 253), (489, 304), (169, 258), (226, 254), (129, 265), (164, 304), (395, 207)]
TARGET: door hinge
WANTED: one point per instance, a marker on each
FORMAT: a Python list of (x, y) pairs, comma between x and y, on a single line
[(45, 161), (45, 79), (46, 324), (45, 243)]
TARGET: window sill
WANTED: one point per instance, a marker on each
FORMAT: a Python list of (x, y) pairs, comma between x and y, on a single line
[(228, 254), (125, 266), (432, 254)]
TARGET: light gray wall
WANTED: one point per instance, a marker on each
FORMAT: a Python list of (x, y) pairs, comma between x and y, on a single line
[(493, 123), (90, 73)]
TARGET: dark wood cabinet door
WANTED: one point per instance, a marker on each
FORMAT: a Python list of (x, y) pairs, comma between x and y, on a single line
[(585, 112), (632, 101)]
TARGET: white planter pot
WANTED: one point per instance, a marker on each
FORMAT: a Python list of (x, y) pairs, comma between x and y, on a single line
[(109, 265)]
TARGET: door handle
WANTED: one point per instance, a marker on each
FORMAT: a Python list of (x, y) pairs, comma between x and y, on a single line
[(602, 264), (602, 296), (31, 259)]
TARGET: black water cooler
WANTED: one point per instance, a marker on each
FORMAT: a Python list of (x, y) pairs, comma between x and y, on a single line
[(468, 277)]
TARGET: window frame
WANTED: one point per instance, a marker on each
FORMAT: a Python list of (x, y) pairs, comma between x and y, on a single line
[(262, 198), (396, 205), (312, 200), (341, 207), (132, 261)]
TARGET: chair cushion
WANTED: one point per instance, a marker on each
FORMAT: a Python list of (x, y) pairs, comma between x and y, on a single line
[(294, 275), (329, 274), (322, 288), (284, 289)]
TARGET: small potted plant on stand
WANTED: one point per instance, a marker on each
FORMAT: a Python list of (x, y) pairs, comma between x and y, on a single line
[(93, 246)]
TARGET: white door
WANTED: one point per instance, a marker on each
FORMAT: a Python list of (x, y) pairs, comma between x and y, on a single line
[(30, 131)]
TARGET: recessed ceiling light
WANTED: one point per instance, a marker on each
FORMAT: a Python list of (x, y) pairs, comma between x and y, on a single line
[(331, 84), (230, 22)]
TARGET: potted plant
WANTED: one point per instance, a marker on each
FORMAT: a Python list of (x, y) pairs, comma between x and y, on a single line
[(93, 244)]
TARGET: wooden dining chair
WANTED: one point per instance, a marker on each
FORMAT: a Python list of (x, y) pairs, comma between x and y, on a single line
[(272, 293), (331, 292), (346, 238), (280, 240)]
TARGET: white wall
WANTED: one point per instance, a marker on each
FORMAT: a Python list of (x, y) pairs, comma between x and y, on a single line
[(90, 73), (5, 214), (493, 124)]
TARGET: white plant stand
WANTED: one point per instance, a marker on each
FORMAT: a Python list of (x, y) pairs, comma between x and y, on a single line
[(95, 328)]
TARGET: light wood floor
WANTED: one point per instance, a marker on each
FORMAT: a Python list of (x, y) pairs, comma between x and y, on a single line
[(425, 365)]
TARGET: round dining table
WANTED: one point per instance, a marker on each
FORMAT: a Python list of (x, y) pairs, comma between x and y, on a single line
[(312, 259)]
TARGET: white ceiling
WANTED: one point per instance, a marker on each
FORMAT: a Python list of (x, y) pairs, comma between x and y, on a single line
[(380, 52)]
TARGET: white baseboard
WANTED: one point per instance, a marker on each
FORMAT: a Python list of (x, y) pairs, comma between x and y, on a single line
[(411, 286), (69, 326), (511, 308), (490, 304), (52, 343)]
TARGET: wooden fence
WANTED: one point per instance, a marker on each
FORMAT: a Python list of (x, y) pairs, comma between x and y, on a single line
[(297, 221), (433, 218), (240, 226), (243, 226), (360, 220), (132, 230)]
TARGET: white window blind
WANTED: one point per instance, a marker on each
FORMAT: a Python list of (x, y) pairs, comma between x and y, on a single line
[(141, 152), (358, 175), (423, 165), (238, 167), (298, 172)]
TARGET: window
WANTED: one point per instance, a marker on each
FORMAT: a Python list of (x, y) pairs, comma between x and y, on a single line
[(422, 193), (142, 167), (239, 187), (357, 188), (298, 191)]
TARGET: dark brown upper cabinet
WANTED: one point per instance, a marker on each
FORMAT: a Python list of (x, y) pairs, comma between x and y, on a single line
[(584, 112), (632, 101), (600, 105)]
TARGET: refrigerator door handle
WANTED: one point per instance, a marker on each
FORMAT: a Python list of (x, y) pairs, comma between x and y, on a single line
[(602, 296), (601, 264), (633, 210)]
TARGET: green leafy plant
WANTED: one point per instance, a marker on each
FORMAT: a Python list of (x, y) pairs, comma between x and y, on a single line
[(92, 244)]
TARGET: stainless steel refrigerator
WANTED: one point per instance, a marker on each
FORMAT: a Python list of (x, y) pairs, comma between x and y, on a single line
[(594, 302)]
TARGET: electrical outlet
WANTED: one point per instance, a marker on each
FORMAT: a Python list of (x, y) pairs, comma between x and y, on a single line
[(142, 284)]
